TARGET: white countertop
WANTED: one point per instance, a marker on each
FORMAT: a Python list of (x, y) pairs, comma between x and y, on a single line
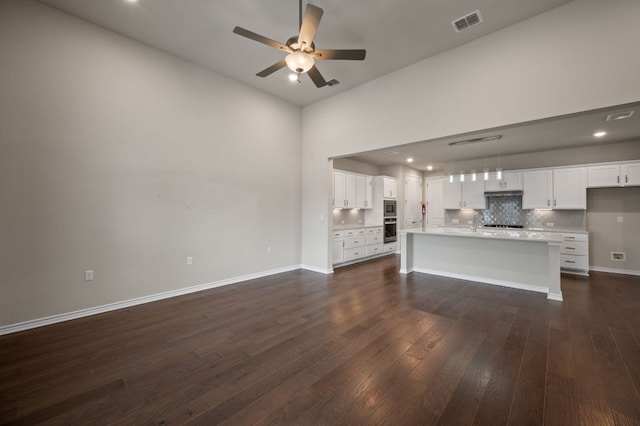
[(489, 233), (343, 227)]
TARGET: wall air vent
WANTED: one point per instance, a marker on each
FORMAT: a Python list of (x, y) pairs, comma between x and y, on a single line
[(332, 82), (619, 116), (467, 21)]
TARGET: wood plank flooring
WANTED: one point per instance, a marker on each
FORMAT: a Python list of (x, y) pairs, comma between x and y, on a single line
[(363, 346)]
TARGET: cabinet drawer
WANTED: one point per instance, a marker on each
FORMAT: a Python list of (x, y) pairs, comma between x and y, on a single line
[(355, 241), (390, 247), (370, 231), (576, 237), (375, 249), (353, 253), (359, 232), (579, 248), (379, 230), (337, 235), (349, 232), (374, 239), (568, 261)]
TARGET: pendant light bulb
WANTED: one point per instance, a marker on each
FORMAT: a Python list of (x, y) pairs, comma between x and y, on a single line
[(461, 176), (450, 178), (499, 173), (473, 175), (486, 174)]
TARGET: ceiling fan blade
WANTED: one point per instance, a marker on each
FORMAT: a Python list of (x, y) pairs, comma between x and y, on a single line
[(317, 78), (261, 39), (312, 15), (351, 54), (273, 68)]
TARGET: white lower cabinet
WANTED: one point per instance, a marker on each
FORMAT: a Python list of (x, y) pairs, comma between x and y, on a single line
[(390, 247), (352, 244), (338, 246), (574, 253)]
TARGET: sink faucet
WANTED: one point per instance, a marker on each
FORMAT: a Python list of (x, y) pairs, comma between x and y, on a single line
[(477, 221)]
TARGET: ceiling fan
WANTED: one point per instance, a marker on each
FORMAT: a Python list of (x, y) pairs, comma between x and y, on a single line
[(301, 50)]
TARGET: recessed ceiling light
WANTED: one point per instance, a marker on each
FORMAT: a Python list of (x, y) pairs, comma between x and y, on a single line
[(429, 167), (599, 134), (409, 160)]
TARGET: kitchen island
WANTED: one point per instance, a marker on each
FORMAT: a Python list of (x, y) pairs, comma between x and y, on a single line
[(518, 259)]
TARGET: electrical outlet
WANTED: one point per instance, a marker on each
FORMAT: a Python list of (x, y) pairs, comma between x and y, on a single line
[(455, 221), (619, 256), (88, 275), (620, 219), (189, 260), (549, 224), (469, 222), (268, 249)]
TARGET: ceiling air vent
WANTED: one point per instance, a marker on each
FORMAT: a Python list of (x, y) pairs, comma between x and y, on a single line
[(619, 116), (332, 82), (467, 21)]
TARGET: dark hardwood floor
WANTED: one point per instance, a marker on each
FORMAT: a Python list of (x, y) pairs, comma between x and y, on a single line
[(363, 346)]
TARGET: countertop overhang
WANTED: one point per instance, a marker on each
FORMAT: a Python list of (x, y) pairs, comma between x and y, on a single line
[(494, 234)]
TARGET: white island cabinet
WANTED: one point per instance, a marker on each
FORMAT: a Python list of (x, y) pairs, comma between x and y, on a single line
[(517, 259)]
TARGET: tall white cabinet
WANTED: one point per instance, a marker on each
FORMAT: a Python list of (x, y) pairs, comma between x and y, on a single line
[(435, 201), (413, 201)]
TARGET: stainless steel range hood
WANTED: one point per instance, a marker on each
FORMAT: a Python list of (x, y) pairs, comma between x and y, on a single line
[(503, 193)]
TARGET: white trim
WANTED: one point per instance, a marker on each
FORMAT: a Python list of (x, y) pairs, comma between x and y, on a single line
[(406, 271), (575, 272), (614, 270), (555, 296), (53, 319), (316, 269), (511, 284)]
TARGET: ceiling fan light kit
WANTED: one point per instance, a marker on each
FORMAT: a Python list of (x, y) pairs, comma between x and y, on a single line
[(300, 49)]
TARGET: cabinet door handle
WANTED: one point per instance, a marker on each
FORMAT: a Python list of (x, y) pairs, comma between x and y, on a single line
[(555, 203), (626, 178), (548, 202), (569, 261), (570, 238), (570, 248), (618, 179)]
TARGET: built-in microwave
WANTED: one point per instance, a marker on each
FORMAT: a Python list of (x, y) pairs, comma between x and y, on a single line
[(390, 208)]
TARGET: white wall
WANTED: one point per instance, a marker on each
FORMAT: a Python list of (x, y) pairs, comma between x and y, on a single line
[(122, 159), (557, 63)]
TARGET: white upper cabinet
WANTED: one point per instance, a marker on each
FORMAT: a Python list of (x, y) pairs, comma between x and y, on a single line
[(608, 175), (368, 192), (361, 189), (537, 189), (351, 191), (339, 186), (630, 174), (390, 187), (555, 189), (464, 195), (511, 181), (570, 188)]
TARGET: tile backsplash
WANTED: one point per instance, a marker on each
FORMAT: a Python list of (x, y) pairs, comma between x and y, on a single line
[(508, 211)]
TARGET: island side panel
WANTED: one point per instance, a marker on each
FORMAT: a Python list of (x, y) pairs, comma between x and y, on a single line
[(512, 263), (555, 291), (406, 253)]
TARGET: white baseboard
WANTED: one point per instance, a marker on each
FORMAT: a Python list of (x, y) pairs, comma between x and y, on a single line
[(555, 296), (614, 270), (40, 322), (519, 286), (316, 269)]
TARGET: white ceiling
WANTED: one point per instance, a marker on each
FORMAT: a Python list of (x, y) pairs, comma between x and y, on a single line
[(545, 135), (395, 33)]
